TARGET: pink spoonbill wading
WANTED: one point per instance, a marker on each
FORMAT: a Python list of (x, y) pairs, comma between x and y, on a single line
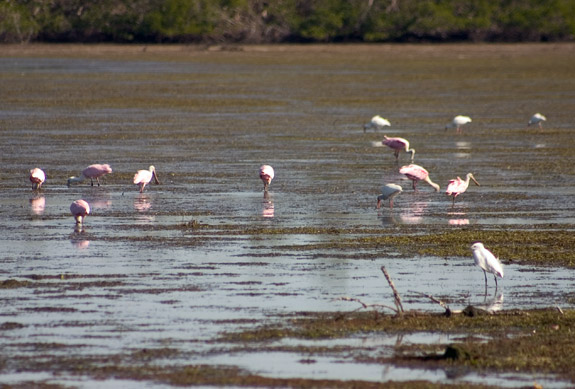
[(266, 175), (417, 173), (487, 262), (398, 144), (457, 122), (458, 186), (92, 172), (37, 178), (388, 191), (537, 119), (80, 209), (376, 122), (143, 177)]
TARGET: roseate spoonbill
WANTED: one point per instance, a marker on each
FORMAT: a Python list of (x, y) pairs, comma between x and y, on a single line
[(417, 173), (457, 122), (537, 119), (37, 177), (80, 209), (487, 262), (266, 175), (143, 177), (376, 122), (92, 172), (398, 144), (458, 186), (388, 191)]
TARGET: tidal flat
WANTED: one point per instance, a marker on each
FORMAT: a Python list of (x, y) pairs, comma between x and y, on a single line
[(206, 280)]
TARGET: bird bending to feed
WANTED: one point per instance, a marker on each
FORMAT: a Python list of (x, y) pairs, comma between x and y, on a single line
[(417, 173), (376, 122), (487, 262), (458, 186), (266, 175), (92, 172), (143, 177), (398, 144), (537, 119), (80, 209), (388, 191), (457, 122), (37, 177)]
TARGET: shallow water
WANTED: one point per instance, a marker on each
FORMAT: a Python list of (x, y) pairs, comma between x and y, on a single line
[(137, 275)]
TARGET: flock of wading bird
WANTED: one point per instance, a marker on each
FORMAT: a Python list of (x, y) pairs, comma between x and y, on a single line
[(482, 256)]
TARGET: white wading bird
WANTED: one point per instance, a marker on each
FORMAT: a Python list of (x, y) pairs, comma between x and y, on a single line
[(487, 262)]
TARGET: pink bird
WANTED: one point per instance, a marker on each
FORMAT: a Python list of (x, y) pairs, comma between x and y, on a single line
[(266, 175), (143, 177), (398, 144), (417, 173), (80, 209), (37, 177), (458, 186), (92, 172)]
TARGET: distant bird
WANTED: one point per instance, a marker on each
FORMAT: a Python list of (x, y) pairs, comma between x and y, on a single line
[(537, 119), (388, 191), (457, 122), (143, 177), (458, 186), (37, 177), (266, 175), (398, 144), (487, 262), (92, 172), (80, 209), (376, 122), (417, 173)]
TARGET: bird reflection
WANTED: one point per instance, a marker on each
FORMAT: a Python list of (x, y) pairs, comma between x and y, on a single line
[(493, 304), (267, 205), (457, 219), (38, 204), (99, 200), (78, 239), (142, 203)]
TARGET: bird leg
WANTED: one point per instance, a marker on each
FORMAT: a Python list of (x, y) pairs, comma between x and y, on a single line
[(495, 278)]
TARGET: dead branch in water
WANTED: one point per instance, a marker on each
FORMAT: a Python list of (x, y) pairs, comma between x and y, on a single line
[(396, 296)]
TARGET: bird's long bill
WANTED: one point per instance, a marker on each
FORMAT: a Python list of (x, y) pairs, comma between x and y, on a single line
[(158, 182), (474, 180)]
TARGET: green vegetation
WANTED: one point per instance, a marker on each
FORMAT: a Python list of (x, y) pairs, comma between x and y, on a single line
[(256, 21)]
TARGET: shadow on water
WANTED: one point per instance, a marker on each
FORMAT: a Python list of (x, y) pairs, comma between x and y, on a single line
[(207, 252)]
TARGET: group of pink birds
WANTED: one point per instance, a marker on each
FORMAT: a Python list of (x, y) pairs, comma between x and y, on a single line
[(482, 256), (416, 173), (80, 208)]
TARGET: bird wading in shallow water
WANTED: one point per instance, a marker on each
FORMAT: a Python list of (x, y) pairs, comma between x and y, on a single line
[(537, 119), (80, 209), (92, 172), (266, 175), (416, 173), (388, 191), (376, 122), (143, 177), (37, 178), (398, 144), (458, 186), (487, 262), (457, 122)]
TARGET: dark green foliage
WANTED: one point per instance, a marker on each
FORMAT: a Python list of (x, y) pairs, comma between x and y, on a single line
[(260, 21)]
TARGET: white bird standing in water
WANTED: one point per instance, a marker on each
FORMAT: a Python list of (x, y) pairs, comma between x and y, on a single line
[(37, 178), (457, 122), (487, 262), (388, 191), (537, 119), (143, 177), (376, 122)]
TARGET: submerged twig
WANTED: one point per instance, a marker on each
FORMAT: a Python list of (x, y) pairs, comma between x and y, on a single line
[(364, 305), (448, 310), (396, 296)]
